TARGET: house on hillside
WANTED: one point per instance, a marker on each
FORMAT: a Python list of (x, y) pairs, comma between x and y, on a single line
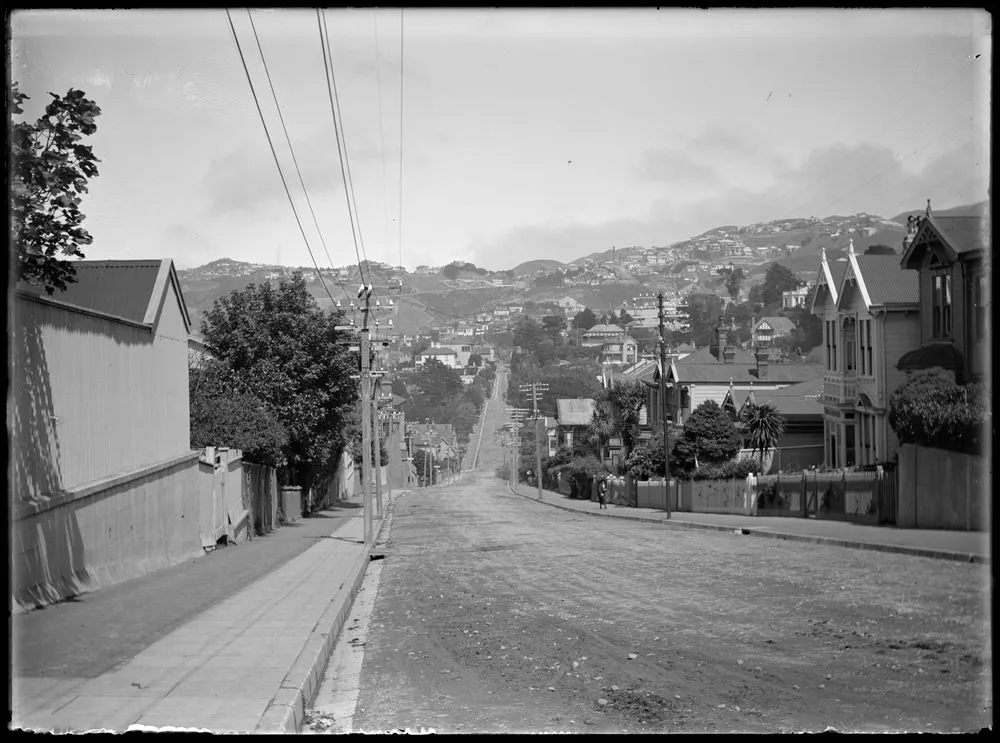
[(870, 310), (794, 298), (446, 356), (598, 334), (947, 255), (574, 417), (620, 350), (768, 329)]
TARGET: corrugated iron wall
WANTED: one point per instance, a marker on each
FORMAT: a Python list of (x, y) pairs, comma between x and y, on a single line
[(94, 396)]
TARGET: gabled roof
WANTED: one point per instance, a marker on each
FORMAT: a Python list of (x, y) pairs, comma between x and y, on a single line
[(780, 325), (130, 290), (438, 352), (960, 236), (575, 412), (828, 280), (881, 280)]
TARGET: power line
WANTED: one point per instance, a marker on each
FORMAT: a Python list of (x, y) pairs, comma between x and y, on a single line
[(291, 149), (336, 131), (274, 154), (401, 137), (381, 136), (347, 157)]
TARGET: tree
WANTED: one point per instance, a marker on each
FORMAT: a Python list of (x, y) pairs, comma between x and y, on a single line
[(734, 277), (616, 413), (475, 360), (763, 426), (451, 271), (931, 409), (49, 174), (777, 280), (528, 334), (554, 325), (223, 415), (703, 311), (708, 436), (284, 350), (585, 319), (624, 318)]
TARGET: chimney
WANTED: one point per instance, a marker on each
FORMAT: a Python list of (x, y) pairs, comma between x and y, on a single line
[(761, 353), (718, 340)]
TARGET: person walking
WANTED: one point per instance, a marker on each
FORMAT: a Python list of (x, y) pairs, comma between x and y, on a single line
[(602, 493)]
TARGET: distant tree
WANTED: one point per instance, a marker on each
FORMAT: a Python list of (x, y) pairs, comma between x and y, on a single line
[(703, 312), (475, 360), (49, 171), (437, 383), (624, 318), (528, 334), (451, 271), (554, 325), (709, 436), (777, 280), (880, 250), (420, 345), (734, 277)]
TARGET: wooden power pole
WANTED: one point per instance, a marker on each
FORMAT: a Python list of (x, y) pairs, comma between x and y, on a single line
[(535, 388), (663, 407)]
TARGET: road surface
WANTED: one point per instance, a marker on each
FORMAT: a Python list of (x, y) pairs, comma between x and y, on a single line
[(493, 613)]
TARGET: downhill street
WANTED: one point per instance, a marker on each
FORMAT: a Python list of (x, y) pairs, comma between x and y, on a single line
[(494, 613)]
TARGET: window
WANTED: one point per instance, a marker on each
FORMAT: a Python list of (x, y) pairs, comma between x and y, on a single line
[(849, 344), (941, 305), (865, 348), (980, 304)]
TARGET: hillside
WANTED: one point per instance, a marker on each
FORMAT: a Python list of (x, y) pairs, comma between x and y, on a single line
[(531, 267)]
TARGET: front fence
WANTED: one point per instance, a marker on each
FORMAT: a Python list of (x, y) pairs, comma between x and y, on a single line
[(868, 497)]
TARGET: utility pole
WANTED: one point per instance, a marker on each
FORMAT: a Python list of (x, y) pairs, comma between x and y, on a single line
[(365, 293), (535, 388), (517, 416), (377, 438), (663, 407)]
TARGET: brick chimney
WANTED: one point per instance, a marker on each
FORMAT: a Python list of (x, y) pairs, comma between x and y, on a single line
[(762, 353)]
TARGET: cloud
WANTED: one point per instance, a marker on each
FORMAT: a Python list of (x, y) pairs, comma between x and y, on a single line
[(840, 179), (670, 166)]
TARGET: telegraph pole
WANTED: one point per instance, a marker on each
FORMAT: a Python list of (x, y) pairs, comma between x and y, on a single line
[(365, 293), (377, 438), (663, 406), (517, 416), (535, 388)]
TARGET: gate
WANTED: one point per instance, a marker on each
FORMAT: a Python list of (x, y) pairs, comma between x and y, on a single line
[(888, 495)]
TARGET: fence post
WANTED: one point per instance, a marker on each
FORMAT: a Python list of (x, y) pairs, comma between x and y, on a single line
[(804, 494)]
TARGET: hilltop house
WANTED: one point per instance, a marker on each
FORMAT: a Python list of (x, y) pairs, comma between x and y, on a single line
[(947, 254), (870, 311)]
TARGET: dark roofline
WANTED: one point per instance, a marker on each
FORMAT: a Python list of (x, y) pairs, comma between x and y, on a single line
[(55, 302)]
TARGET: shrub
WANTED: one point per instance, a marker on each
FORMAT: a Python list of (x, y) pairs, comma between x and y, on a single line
[(771, 497), (735, 469), (708, 436), (580, 472), (931, 409)]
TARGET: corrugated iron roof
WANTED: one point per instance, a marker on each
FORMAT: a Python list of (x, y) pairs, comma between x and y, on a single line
[(120, 288), (575, 412), (887, 281), (605, 329)]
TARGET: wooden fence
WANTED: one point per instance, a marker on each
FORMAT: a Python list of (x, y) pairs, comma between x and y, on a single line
[(868, 497)]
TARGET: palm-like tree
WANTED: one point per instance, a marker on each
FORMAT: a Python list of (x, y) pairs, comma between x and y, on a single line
[(616, 414), (763, 425)]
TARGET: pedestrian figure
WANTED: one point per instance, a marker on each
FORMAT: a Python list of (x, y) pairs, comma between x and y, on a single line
[(602, 493)]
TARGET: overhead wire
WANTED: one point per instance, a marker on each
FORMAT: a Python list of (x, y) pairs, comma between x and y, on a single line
[(274, 154), (343, 139), (291, 150), (336, 130)]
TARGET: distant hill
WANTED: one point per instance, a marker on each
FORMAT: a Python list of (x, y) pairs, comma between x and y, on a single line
[(531, 267)]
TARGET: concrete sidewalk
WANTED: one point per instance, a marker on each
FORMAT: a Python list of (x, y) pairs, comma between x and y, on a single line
[(251, 663), (964, 546)]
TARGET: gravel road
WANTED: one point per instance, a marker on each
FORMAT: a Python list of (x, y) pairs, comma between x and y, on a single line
[(497, 614)]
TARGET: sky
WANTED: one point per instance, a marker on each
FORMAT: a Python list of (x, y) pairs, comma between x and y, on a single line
[(501, 136)]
